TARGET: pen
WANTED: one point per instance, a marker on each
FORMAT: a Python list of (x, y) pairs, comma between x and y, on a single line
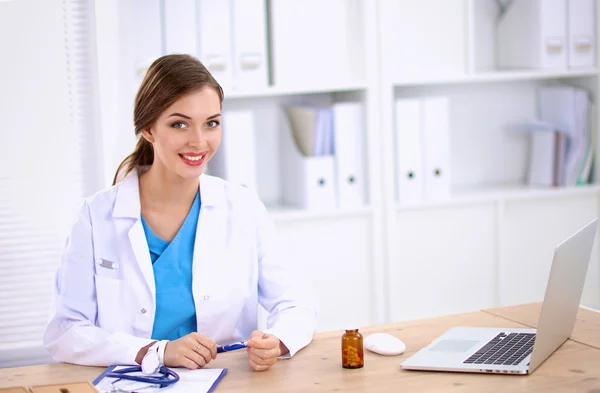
[(232, 347)]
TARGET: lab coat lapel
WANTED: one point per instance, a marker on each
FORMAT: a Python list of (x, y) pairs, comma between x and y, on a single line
[(127, 213), (210, 237)]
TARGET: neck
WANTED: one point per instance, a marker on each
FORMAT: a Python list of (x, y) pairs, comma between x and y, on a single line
[(164, 187)]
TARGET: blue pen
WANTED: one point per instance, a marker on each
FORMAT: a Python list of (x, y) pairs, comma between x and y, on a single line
[(232, 347)]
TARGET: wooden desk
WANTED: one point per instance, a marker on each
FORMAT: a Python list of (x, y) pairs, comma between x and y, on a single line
[(587, 325), (573, 368)]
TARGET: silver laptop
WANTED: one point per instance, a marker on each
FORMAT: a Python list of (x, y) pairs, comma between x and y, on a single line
[(518, 351)]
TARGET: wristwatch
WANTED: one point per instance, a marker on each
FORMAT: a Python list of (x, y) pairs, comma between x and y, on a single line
[(153, 359)]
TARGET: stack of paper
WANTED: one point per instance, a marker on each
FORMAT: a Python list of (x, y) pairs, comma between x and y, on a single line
[(562, 140)]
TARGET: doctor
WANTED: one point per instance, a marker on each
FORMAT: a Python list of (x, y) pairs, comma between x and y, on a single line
[(172, 260)]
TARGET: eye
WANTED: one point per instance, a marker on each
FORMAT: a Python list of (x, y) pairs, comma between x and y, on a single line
[(178, 124), (213, 123)]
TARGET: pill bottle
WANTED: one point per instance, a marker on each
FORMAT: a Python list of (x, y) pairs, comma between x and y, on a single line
[(352, 349)]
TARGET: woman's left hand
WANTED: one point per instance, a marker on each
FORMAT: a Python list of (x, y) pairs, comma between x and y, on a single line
[(263, 350)]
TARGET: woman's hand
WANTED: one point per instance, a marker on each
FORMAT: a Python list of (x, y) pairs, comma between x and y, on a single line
[(191, 351), (263, 350)]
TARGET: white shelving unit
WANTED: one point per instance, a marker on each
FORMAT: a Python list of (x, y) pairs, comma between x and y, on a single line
[(489, 244)]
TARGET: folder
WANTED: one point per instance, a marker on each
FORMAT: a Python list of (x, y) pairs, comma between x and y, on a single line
[(409, 150), (180, 26), (581, 29), (436, 139), (146, 30), (308, 180), (533, 34), (214, 39), (236, 158), (250, 66), (348, 131)]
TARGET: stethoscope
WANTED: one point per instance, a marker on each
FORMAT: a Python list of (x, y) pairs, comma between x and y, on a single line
[(167, 377)]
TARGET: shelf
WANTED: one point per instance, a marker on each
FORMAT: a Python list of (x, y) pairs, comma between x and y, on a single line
[(275, 91), (289, 213), (499, 76), (500, 193)]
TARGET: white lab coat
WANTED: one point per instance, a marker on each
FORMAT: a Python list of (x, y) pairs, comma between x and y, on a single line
[(105, 289)]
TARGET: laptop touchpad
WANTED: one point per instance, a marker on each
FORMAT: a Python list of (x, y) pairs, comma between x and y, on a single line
[(454, 346)]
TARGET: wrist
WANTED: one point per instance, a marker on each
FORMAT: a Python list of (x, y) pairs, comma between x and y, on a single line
[(142, 352), (282, 348)]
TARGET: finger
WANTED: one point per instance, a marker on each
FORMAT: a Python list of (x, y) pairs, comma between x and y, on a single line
[(264, 353), (256, 366), (208, 344), (189, 364), (262, 361), (263, 343), (203, 352), (257, 333), (196, 358)]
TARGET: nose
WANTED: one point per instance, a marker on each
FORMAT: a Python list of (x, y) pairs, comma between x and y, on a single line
[(197, 138)]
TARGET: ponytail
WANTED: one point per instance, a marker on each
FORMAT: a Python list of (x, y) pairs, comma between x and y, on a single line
[(143, 154)]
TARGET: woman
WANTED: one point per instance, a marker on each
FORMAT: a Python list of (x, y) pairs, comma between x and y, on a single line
[(171, 259)]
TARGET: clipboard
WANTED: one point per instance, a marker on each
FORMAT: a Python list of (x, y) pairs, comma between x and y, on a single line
[(202, 380)]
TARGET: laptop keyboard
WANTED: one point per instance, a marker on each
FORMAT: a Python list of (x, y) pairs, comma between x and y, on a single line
[(504, 349)]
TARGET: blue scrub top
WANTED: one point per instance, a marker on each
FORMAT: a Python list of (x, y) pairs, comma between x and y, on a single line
[(172, 264)]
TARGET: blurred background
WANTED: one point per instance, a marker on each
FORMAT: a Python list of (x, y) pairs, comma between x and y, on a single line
[(419, 158)]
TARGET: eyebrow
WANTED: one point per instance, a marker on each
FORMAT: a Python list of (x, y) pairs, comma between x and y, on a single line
[(180, 115), (189, 118)]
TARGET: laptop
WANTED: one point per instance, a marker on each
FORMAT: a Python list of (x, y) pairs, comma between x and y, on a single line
[(517, 350)]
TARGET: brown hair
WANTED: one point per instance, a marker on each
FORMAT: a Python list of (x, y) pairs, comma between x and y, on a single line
[(168, 78)]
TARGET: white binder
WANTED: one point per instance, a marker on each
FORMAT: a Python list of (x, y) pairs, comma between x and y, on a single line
[(436, 135), (250, 44), (316, 42), (409, 150), (146, 30), (581, 29), (236, 158), (348, 131), (180, 26), (214, 39), (308, 181), (533, 34)]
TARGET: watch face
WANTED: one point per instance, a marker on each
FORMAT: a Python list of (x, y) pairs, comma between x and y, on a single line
[(150, 363)]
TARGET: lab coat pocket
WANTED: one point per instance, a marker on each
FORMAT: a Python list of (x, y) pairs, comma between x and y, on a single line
[(108, 267), (111, 300)]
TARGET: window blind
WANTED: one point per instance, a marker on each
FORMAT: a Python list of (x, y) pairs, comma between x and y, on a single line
[(48, 106)]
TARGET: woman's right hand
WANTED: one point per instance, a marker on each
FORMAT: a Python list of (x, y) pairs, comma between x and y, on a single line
[(191, 351)]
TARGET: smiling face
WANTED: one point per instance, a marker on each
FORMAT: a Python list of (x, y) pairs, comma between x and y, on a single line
[(187, 134)]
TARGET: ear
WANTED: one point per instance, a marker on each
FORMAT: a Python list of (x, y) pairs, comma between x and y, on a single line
[(147, 134)]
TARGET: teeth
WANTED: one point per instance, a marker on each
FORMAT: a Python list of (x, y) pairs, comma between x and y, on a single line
[(197, 158)]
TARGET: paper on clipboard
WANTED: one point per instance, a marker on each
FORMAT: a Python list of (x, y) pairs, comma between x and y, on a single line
[(196, 381)]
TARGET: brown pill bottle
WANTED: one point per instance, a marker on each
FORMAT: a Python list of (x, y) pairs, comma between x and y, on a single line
[(352, 349)]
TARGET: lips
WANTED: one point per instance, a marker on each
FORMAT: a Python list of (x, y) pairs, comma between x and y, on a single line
[(193, 159)]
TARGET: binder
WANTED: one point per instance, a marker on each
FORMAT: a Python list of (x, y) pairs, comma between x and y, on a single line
[(307, 180), (180, 26), (316, 42), (409, 150), (146, 30), (250, 66), (581, 29), (533, 34), (214, 39), (348, 131), (236, 158), (436, 139)]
